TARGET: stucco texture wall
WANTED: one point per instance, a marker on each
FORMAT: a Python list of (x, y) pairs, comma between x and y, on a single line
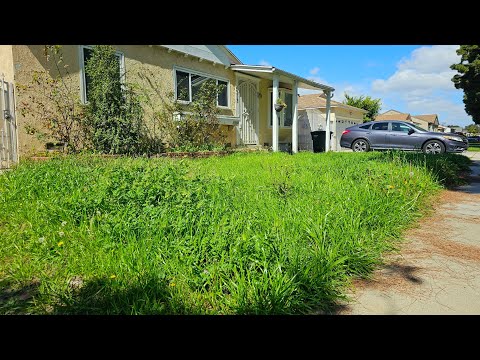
[(6, 63), (151, 67), (26, 60)]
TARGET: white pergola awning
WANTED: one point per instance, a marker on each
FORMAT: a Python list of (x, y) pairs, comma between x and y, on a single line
[(267, 72)]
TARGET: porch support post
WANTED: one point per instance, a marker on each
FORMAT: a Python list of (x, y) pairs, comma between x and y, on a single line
[(295, 118), (327, 118), (275, 114)]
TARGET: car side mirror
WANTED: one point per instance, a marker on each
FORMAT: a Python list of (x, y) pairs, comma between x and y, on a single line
[(411, 131)]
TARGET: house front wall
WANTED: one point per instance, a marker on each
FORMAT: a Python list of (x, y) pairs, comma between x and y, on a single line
[(156, 63), (26, 60), (6, 63)]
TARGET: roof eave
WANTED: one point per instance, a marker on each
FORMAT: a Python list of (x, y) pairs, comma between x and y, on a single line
[(272, 70)]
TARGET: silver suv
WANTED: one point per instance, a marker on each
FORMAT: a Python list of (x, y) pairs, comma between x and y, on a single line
[(400, 135)]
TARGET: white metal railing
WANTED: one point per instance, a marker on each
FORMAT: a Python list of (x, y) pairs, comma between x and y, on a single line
[(8, 126)]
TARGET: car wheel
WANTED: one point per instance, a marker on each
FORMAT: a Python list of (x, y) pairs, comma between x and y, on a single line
[(360, 145), (433, 147)]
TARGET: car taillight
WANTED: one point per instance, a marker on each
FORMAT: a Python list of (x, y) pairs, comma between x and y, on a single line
[(345, 132)]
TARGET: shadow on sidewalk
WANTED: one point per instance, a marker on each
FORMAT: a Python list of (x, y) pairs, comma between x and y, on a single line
[(474, 180)]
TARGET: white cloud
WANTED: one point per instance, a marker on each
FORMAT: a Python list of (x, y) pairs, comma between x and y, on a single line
[(431, 59), (264, 63), (422, 84), (427, 70), (314, 71)]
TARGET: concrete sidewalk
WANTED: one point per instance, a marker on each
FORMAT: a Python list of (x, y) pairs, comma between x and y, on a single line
[(437, 271), (474, 155)]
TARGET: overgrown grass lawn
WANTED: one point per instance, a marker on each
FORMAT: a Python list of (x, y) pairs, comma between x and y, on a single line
[(261, 233)]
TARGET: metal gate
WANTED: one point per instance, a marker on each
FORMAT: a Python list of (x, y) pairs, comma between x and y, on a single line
[(8, 126), (248, 110)]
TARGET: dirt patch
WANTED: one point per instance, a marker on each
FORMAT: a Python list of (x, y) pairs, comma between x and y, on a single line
[(452, 196), (435, 234), (430, 236)]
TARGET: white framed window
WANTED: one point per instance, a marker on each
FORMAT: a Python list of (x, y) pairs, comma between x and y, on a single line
[(188, 82), (85, 52), (286, 115)]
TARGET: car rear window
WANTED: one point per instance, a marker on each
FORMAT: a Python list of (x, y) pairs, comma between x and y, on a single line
[(365, 126), (380, 126)]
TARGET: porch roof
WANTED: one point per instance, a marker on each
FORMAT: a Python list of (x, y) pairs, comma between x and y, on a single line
[(267, 72)]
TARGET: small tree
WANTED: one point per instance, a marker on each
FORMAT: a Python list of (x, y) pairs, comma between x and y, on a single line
[(54, 105), (366, 103), (468, 79), (114, 111), (472, 129)]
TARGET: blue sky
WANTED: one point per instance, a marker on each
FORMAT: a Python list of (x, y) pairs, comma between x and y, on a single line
[(415, 79)]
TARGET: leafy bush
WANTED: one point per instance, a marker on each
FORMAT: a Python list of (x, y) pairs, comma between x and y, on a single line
[(114, 112), (198, 127), (54, 105)]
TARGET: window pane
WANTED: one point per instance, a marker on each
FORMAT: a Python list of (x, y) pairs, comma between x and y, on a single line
[(380, 126), (400, 127), (197, 82), (365, 126), (182, 86), (288, 116), (223, 94), (87, 54)]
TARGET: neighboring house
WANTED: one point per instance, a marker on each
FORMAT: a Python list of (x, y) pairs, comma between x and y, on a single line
[(246, 105), (312, 116), (394, 115), (445, 129), (430, 121), (456, 128), (427, 122)]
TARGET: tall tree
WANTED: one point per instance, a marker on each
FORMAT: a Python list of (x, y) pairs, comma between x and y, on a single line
[(472, 128), (468, 79), (366, 103)]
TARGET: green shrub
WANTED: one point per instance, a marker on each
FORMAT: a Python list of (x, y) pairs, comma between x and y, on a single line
[(114, 112)]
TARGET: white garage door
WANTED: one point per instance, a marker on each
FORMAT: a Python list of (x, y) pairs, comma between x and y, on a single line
[(342, 124)]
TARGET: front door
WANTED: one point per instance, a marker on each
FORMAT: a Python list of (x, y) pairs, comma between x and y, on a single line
[(248, 112)]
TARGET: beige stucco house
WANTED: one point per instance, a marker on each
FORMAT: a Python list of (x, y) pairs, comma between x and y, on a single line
[(246, 105), (312, 110), (428, 122)]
